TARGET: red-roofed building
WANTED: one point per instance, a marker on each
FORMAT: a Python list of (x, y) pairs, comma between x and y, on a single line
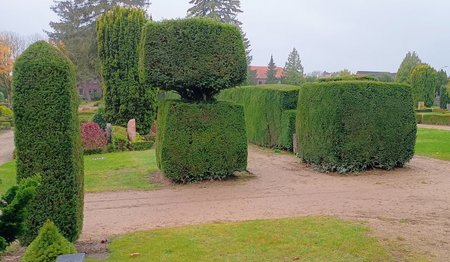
[(261, 73)]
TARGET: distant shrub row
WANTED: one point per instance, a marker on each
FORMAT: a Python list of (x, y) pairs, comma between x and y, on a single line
[(267, 122), (433, 118), (352, 126)]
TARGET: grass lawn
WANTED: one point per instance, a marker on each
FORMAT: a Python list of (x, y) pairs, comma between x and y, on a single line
[(295, 239), (433, 143), (105, 172)]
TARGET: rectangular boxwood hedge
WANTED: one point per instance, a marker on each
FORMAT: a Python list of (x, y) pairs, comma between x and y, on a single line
[(200, 141), (353, 126), (264, 107), (433, 119)]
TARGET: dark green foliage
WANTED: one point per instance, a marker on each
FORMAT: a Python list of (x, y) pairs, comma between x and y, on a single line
[(293, 70), (200, 141), (100, 117), (424, 83), (349, 78), (47, 138), (272, 72), (14, 211), (3, 244), (77, 31), (264, 107), (353, 126), (407, 66), (225, 11), (195, 57), (119, 33), (48, 245), (288, 129), (433, 119)]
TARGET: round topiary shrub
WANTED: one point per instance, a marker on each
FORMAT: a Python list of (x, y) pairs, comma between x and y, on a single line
[(47, 138), (119, 33), (196, 57)]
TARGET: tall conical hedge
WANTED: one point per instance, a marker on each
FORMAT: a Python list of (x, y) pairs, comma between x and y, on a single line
[(47, 138), (119, 34)]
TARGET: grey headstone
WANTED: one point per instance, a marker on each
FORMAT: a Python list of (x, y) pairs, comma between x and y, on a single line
[(295, 143), (72, 258), (448, 107), (108, 132)]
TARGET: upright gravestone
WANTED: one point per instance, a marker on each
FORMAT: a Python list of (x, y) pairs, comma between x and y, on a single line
[(448, 107), (108, 132), (421, 105), (131, 130)]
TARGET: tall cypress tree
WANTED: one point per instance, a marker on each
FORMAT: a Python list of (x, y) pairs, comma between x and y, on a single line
[(409, 63), (293, 70), (76, 29), (272, 72), (119, 34), (223, 10)]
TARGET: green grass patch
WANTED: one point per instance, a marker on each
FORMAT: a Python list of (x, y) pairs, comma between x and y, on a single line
[(433, 143), (86, 115), (105, 172), (303, 239)]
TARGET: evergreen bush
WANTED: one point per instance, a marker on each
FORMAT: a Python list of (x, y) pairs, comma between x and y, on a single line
[(48, 245), (264, 107), (14, 208), (200, 141), (196, 57), (424, 83), (119, 33), (353, 126), (47, 138)]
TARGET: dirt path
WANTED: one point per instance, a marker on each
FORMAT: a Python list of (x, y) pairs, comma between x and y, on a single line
[(411, 204), (434, 127), (6, 146)]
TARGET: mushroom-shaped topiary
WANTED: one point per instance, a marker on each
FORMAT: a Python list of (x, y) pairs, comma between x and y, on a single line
[(196, 57)]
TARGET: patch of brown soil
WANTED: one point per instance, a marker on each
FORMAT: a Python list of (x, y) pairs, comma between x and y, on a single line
[(411, 203)]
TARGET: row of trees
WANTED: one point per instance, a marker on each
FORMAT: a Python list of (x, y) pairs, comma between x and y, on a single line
[(426, 82), (292, 72), (76, 27)]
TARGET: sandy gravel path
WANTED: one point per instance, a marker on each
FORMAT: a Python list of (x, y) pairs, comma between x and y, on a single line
[(434, 127), (6, 146), (411, 204)]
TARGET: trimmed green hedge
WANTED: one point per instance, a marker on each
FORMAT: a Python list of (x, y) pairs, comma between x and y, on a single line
[(288, 129), (200, 141), (349, 78), (264, 107), (119, 33), (196, 57), (433, 119), (47, 138), (353, 126)]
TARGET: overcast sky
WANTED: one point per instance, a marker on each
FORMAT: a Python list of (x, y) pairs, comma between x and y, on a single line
[(329, 34)]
